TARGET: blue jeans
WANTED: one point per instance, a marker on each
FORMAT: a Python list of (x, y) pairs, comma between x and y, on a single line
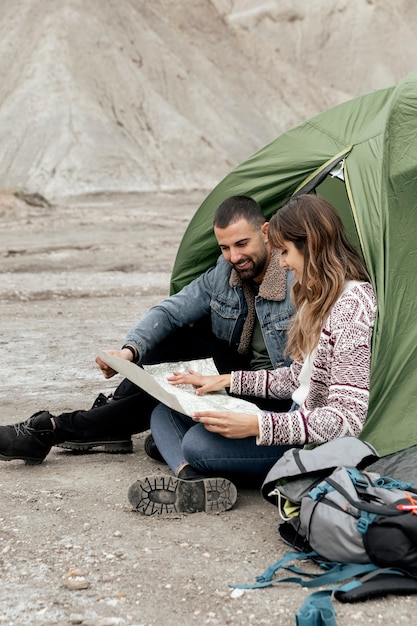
[(182, 440)]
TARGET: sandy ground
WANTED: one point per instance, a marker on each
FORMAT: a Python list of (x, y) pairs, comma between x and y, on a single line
[(75, 276)]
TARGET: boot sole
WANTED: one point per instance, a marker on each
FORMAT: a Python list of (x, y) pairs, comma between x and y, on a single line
[(27, 460), (113, 447), (164, 495)]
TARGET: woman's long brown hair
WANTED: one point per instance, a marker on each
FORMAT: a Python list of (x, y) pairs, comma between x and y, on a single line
[(315, 228)]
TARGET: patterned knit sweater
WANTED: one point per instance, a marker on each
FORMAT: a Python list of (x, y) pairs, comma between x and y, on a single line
[(337, 402)]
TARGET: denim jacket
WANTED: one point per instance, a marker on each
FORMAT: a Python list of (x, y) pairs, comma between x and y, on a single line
[(217, 293)]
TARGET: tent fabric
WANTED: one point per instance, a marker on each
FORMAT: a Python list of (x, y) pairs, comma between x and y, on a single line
[(375, 137)]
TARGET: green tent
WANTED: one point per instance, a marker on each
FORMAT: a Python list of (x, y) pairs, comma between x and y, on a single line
[(362, 157)]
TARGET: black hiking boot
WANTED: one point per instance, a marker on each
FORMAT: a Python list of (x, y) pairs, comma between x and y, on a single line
[(111, 445), (152, 450), (101, 400), (29, 441), (165, 495)]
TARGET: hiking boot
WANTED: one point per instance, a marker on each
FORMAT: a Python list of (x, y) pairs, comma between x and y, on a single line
[(111, 444), (164, 495), (151, 449), (101, 400), (29, 441)]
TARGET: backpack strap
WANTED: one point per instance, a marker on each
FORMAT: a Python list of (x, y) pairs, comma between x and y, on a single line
[(318, 609), (369, 507), (266, 579), (387, 482), (336, 572), (377, 584)]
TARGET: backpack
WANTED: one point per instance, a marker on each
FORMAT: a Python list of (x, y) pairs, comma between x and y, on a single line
[(356, 517), (300, 469), (353, 523)]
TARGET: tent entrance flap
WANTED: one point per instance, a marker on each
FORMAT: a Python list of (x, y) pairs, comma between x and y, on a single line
[(335, 164), (334, 191), (329, 183)]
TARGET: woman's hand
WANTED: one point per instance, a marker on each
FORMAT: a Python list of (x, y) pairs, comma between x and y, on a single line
[(202, 384), (228, 424)]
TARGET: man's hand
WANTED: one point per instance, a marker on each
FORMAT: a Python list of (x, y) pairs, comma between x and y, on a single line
[(202, 384), (228, 424), (109, 372)]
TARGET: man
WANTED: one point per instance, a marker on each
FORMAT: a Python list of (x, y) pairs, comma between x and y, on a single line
[(237, 312)]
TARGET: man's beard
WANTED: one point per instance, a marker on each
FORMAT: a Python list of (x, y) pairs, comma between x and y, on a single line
[(252, 272)]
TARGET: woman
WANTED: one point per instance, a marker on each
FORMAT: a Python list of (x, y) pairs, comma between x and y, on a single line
[(329, 341)]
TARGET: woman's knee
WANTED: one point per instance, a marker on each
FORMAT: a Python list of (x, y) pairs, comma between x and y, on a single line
[(195, 445), (160, 412)]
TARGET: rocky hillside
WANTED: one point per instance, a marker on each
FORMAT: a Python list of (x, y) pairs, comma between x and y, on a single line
[(130, 95)]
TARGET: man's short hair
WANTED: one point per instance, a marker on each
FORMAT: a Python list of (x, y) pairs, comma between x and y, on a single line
[(237, 208)]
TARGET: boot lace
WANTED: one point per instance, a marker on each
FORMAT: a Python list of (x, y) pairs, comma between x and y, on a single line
[(23, 429)]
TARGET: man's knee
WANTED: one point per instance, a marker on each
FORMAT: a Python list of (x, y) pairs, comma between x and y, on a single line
[(125, 389)]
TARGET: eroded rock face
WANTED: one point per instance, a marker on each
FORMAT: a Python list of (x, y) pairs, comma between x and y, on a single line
[(139, 96)]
